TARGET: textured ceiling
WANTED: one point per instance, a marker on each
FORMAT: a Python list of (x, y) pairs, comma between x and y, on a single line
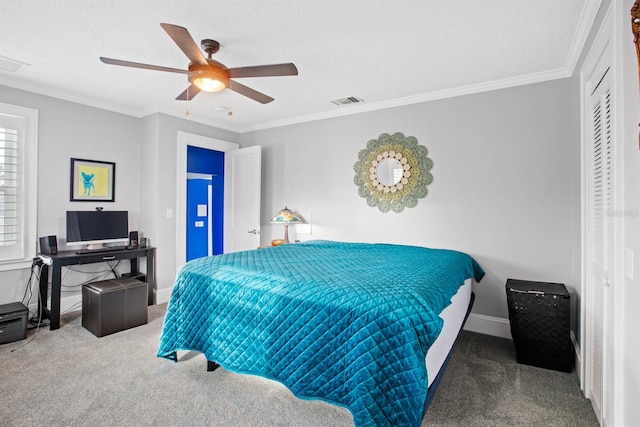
[(384, 52)]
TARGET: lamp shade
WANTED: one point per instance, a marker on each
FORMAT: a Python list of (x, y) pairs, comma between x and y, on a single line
[(286, 216)]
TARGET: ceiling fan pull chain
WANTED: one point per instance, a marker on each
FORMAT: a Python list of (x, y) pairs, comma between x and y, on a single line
[(186, 112)]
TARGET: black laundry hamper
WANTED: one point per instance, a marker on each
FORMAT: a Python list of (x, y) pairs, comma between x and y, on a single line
[(539, 318)]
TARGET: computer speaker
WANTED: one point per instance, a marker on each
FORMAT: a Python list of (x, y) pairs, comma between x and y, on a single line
[(133, 238), (48, 245)]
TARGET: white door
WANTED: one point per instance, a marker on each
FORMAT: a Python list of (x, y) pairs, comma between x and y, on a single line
[(601, 233), (600, 223), (242, 178)]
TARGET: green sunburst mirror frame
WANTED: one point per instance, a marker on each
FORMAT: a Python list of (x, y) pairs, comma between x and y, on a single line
[(393, 172)]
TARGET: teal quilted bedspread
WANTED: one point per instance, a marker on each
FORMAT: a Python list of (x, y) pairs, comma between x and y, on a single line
[(349, 323)]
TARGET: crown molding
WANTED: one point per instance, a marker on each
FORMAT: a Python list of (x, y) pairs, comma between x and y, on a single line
[(204, 120), (113, 107), (585, 23), (415, 99), (337, 112), (66, 96)]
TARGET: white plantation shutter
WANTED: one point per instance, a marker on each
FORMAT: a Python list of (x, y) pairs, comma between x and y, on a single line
[(9, 203), (18, 142)]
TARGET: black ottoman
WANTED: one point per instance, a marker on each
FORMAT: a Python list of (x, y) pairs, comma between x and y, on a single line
[(114, 305)]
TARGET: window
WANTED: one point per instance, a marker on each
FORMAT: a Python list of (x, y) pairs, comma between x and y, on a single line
[(18, 180)]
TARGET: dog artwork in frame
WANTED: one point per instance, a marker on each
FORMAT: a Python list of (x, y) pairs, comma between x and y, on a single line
[(92, 180)]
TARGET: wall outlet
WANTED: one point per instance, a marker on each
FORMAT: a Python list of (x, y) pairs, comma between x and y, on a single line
[(306, 227), (303, 228)]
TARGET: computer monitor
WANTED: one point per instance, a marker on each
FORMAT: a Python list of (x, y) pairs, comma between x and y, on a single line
[(97, 228)]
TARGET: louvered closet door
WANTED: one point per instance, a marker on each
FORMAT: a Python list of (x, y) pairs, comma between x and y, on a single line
[(601, 241)]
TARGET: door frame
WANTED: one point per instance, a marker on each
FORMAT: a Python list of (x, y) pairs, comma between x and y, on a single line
[(606, 45), (185, 139)]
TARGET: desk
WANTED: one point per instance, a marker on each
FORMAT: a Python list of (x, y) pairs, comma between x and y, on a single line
[(68, 258)]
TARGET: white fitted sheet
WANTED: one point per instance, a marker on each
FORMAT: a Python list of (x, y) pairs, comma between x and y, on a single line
[(453, 317)]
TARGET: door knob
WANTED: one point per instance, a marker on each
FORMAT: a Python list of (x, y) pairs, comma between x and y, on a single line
[(254, 231)]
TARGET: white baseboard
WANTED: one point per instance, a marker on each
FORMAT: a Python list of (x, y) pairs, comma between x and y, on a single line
[(74, 302), (163, 295), (499, 327), (488, 325), (67, 304), (479, 323), (578, 360)]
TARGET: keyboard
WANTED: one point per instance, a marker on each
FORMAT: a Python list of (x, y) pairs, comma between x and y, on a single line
[(100, 250)]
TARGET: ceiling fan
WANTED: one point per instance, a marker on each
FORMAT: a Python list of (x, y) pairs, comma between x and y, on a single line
[(207, 74)]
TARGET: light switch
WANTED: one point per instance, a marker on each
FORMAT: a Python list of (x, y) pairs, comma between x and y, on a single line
[(202, 210), (628, 263), (169, 213)]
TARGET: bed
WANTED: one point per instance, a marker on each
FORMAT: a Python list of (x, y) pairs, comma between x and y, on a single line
[(349, 323)]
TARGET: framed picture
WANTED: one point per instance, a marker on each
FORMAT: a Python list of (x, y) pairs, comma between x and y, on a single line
[(92, 181)]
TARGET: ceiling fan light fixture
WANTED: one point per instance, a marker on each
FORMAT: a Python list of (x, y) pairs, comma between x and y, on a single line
[(208, 84), (208, 79)]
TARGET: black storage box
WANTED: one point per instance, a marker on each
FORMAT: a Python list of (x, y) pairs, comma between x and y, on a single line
[(539, 314), (13, 322), (111, 306)]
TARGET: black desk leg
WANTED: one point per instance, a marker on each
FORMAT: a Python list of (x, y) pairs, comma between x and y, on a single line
[(151, 275), (133, 263), (43, 311), (56, 294)]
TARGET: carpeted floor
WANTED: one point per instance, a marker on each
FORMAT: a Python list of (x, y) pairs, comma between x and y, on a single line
[(68, 377)]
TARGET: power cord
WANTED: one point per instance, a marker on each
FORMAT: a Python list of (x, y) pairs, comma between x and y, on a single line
[(37, 262)]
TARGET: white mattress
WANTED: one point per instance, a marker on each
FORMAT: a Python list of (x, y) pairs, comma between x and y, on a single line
[(453, 317)]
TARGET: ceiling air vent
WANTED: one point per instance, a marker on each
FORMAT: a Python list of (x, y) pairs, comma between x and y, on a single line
[(348, 100), (11, 65)]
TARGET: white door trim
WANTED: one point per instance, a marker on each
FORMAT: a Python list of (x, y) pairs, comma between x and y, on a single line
[(607, 45), (185, 139)]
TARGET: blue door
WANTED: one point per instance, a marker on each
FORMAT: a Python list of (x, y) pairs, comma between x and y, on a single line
[(198, 223), (205, 202)]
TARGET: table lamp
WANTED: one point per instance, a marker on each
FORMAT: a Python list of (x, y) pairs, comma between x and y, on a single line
[(286, 217)]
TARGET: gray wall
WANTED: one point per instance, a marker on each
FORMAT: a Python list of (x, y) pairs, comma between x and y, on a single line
[(159, 190), (66, 130), (506, 179), (506, 182), (144, 151)]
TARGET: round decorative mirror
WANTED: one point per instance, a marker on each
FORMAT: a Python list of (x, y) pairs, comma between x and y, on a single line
[(393, 172)]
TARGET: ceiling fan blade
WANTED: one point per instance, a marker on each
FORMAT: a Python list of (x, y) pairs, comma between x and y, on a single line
[(139, 65), (183, 39), (264, 71), (189, 93), (249, 93)]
